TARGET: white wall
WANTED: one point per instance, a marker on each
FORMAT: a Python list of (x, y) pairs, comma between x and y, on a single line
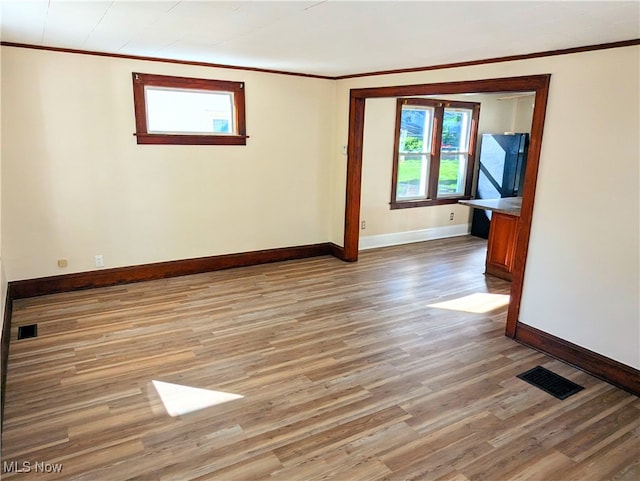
[(3, 277), (582, 281), (582, 278), (496, 116), (76, 184), (523, 114)]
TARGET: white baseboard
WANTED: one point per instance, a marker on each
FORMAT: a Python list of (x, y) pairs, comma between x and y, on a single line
[(398, 238)]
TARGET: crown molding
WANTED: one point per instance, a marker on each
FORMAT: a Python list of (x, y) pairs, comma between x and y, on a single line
[(510, 58)]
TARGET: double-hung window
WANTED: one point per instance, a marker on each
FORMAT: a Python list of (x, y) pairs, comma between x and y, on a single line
[(434, 151), (178, 110)]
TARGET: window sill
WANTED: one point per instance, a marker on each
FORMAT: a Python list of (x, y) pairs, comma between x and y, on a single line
[(168, 139), (408, 204)]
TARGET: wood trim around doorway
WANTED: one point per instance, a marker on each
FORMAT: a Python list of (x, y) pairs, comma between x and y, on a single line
[(534, 83)]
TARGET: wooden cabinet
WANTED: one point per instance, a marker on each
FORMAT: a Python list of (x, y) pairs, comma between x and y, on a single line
[(503, 233), (501, 246)]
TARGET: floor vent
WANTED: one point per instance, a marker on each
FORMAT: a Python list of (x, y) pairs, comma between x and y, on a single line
[(550, 382), (25, 332)]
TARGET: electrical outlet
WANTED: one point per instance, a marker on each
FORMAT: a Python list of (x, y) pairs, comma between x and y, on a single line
[(363, 225), (63, 263), (99, 260), (451, 216)]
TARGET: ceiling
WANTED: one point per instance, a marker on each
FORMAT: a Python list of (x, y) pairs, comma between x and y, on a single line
[(321, 37)]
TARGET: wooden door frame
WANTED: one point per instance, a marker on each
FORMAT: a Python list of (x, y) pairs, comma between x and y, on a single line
[(533, 83)]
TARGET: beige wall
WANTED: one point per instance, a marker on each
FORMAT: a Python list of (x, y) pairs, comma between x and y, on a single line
[(582, 281), (496, 116), (76, 184)]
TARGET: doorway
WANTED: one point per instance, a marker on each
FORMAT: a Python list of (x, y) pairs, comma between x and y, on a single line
[(538, 84)]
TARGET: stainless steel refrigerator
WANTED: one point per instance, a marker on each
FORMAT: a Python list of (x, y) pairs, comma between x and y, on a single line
[(501, 167)]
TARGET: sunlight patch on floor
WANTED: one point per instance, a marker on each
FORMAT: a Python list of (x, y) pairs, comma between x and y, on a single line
[(478, 303), (179, 400)]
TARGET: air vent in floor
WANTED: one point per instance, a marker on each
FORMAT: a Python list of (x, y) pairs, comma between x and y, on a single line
[(550, 382), (25, 332)]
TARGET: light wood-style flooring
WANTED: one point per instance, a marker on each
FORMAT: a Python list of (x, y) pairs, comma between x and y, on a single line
[(347, 372)]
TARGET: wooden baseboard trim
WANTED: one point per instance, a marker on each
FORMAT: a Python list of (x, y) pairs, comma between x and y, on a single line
[(4, 358), (336, 251), (161, 270), (607, 369), (125, 275)]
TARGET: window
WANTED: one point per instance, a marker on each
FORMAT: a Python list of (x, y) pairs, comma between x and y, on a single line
[(178, 110), (434, 152)]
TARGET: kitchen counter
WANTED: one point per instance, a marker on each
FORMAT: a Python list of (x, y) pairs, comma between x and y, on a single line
[(507, 205), (503, 233)]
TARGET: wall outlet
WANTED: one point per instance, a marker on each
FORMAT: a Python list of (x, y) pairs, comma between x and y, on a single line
[(99, 260), (451, 216), (363, 225), (63, 263), (345, 150)]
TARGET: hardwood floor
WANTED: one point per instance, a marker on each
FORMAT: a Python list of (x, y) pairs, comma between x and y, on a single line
[(347, 372)]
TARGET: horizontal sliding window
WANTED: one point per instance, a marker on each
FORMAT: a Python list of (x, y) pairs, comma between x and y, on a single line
[(178, 110), (434, 154)]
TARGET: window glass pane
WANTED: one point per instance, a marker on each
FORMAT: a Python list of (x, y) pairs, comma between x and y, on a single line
[(221, 126), (453, 174), (188, 111), (456, 129), (456, 126), (413, 172), (415, 129)]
